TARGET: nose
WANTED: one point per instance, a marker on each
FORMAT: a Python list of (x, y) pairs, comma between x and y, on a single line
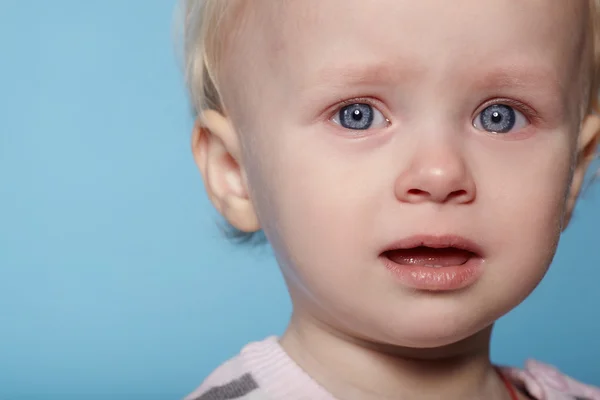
[(438, 175)]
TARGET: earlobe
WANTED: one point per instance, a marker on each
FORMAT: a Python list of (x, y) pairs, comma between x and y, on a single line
[(216, 150), (587, 147)]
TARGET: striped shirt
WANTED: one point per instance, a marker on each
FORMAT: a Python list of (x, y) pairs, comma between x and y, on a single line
[(263, 371)]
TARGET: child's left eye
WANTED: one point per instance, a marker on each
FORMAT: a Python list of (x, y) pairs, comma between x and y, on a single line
[(359, 116), (500, 118)]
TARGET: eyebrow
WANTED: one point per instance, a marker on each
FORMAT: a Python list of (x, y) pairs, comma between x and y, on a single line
[(366, 74), (514, 76), (519, 76)]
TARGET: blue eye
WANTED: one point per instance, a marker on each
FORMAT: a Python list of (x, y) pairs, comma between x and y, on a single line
[(500, 118), (359, 116)]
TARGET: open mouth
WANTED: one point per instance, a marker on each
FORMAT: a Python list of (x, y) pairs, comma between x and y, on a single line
[(429, 256), (434, 263)]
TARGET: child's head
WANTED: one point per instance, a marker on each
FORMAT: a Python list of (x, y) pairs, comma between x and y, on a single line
[(354, 133)]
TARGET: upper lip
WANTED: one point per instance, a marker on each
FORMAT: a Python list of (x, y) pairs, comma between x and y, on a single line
[(436, 242)]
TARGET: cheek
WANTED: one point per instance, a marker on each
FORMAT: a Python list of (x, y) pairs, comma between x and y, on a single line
[(316, 206), (523, 204), (530, 189)]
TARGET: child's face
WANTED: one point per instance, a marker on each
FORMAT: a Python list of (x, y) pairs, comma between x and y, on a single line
[(435, 76)]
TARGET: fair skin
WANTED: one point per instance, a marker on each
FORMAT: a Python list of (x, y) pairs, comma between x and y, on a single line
[(331, 199)]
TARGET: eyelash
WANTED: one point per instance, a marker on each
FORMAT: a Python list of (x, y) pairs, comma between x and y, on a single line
[(377, 104), (531, 114), (362, 100)]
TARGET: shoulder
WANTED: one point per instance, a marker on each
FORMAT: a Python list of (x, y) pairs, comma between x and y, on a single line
[(231, 380), (236, 378), (544, 382)]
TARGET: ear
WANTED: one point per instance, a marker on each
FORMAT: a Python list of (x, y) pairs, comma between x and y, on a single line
[(589, 137), (216, 150)]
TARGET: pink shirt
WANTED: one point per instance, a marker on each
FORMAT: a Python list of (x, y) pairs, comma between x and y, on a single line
[(263, 371)]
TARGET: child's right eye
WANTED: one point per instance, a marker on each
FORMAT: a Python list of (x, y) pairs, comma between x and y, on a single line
[(360, 116)]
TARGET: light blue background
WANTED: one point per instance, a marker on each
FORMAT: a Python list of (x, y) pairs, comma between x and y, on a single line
[(114, 281)]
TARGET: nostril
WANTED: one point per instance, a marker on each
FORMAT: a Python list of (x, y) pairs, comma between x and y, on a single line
[(417, 192), (457, 194)]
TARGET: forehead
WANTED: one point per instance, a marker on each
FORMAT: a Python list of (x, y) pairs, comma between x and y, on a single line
[(302, 42)]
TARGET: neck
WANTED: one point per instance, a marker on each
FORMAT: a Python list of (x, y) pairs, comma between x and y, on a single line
[(351, 368)]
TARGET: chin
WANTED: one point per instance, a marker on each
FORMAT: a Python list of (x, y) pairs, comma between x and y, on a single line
[(432, 344), (430, 341), (429, 331)]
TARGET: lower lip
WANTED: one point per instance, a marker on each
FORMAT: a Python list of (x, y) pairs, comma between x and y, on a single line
[(444, 279)]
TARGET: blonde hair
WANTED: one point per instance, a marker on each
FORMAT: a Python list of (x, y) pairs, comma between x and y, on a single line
[(204, 32)]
